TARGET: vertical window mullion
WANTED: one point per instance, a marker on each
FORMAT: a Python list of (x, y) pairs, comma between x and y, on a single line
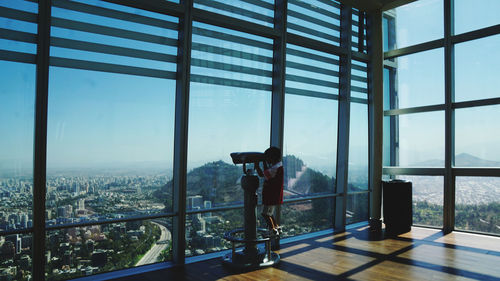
[(344, 114), (40, 142), (181, 133)]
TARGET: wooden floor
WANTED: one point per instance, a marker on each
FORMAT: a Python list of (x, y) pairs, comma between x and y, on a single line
[(422, 254)]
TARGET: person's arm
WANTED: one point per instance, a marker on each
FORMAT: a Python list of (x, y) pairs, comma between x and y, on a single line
[(258, 169)]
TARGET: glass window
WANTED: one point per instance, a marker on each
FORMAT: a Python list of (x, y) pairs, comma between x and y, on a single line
[(312, 73), (310, 138), (477, 135), (359, 80), (419, 80), (358, 31), (17, 115), (110, 114), (421, 139), (261, 12), (477, 207), (15, 257), (230, 109), (316, 19), (427, 199), (81, 251), (419, 22), (306, 217), (475, 15), (358, 207), (476, 69), (205, 231), (358, 148)]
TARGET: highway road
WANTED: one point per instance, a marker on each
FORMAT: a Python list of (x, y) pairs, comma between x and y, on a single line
[(152, 255)]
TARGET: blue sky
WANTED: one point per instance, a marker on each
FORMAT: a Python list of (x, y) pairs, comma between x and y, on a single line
[(98, 119)]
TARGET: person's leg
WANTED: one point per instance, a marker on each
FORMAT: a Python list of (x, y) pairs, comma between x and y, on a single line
[(267, 213)]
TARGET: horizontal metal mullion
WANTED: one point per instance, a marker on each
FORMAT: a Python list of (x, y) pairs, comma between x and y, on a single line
[(108, 49), (483, 102), (111, 31), (108, 221), (314, 20), (215, 209), (230, 67), (390, 64), (20, 36), (235, 10), (111, 68), (234, 23), (414, 49), (358, 192), (15, 14), (312, 81), (16, 231), (115, 14), (307, 55), (313, 8), (476, 34), (309, 93), (260, 3), (313, 32), (413, 171), (230, 52), (330, 3), (229, 82), (410, 110), (359, 78), (310, 197), (314, 44), (231, 38), (358, 100), (311, 68), (360, 57), (359, 89), (476, 172), (359, 67), (17, 56), (162, 7)]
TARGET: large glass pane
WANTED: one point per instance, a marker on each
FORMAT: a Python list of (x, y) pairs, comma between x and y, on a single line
[(17, 110), (205, 231), (359, 31), (419, 80), (419, 22), (261, 12), (88, 250), (230, 110), (475, 15), (111, 115), (316, 19), (358, 148), (427, 199), (358, 207), (110, 145), (477, 135), (477, 205), (359, 80), (306, 217), (15, 257), (476, 69), (310, 138), (421, 139)]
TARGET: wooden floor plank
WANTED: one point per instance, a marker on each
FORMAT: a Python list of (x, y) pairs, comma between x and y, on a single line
[(421, 254)]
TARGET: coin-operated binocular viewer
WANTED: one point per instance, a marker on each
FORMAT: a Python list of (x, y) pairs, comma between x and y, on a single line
[(251, 256)]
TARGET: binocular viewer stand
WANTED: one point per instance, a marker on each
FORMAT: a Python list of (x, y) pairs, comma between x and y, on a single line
[(251, 256)]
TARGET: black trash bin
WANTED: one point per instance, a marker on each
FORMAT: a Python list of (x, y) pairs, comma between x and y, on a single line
[(397, 208)]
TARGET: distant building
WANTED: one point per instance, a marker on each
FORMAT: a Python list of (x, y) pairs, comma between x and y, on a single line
[(195, 201), (208, 205), (99, 258)]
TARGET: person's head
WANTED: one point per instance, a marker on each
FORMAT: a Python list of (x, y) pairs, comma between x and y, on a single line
[(273, 155)]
